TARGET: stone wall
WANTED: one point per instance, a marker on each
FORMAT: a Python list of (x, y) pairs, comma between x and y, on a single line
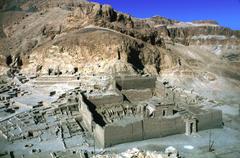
[(137, 95), (56, 78), (99, 135), (106, 99), (121, 134), (87, 117), (156, 127), (46, 83), (144, 129), (50, 80), (112, 134), (210, 119), (135, 82), (86, 114)]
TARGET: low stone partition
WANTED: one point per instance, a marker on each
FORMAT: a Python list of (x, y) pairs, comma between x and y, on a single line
[(50, 80), (46, 83), (56, 78)]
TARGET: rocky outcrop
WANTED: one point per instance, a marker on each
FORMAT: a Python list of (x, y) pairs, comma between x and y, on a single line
[(105, 16), (200, 34), (108, 50), (205, 22), (96, 38)]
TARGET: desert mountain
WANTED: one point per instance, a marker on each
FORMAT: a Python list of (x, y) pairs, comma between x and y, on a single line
[(63, 35)]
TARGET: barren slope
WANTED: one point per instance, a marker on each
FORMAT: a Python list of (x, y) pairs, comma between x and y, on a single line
[(94, 38)]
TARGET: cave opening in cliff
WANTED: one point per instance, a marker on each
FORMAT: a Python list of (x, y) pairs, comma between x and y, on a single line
[(9, 60), (119, 56), (19, 61), (135, 60)]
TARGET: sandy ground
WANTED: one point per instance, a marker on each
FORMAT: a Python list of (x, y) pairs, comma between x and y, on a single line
[(225, 140), (188, 145), (41, 93)]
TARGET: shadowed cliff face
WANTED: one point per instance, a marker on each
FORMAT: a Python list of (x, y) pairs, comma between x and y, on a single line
[(39, 35)]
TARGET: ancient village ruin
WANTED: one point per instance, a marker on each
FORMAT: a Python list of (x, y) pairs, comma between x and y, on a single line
[(81, 79), (122, 108)]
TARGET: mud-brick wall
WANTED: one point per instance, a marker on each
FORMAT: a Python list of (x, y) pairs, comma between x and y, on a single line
[(86, 114), (107, 99), (136, 83), (137, 95), (140, 130), (99, 135), (209, 119), (87, 117), (154, 128), (121, 134)]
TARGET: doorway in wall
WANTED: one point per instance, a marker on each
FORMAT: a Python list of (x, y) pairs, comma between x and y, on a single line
[(191, 128), (164, 112)]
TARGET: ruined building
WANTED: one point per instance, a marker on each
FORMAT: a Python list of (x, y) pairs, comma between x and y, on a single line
[(135, 111), (113, 109)]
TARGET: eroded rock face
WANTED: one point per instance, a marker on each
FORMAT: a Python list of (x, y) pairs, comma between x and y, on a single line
[(202, 34), (63, 35), (97, 50)]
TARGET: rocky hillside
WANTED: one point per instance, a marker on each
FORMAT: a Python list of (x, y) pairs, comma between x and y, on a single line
[(65, 35)]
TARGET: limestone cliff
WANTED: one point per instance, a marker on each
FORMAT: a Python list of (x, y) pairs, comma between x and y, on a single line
[(94, 38)]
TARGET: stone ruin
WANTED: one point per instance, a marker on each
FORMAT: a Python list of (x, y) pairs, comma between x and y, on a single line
[(108, 111), (137, 112)]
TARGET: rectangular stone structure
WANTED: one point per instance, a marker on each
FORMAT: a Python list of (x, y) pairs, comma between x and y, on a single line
[(135, 82)]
